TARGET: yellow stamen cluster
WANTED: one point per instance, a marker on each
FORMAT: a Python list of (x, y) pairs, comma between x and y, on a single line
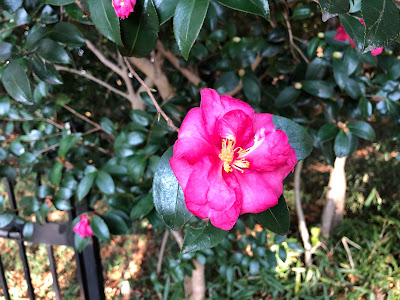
[(227, 155)]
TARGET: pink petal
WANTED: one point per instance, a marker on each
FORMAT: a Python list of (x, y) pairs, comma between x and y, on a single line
[(377, 51), (257, 192), (341, 35), (214, 107), (225, 219), (182, 169), (235, 125)]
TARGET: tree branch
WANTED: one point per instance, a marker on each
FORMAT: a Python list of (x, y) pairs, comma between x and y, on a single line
[(12, 27), (159, 110)]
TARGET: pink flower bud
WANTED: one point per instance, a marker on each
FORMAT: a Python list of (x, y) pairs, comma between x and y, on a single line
[(83, 227), (123, 8)]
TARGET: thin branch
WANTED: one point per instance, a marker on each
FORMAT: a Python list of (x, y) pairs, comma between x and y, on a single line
[(103, 59), (162, 250), (74, 112), (77, 2), (33, 120), (83, 73), (159, 110), (305, 236), (12, 27)]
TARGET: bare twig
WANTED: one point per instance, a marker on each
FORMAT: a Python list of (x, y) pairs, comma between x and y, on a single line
[(305, 236), (159, 110), (345, 242), (11, 28), (83, 73), (33, 120), (162, 250), (77, 2), (103, 59), (74, 112)]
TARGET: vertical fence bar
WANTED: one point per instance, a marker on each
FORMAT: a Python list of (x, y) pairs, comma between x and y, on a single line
[(3, 281), (22, 249)]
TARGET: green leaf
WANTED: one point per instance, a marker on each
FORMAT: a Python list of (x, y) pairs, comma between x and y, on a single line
[(105, 183), (340, 72), (107, 125), (287, 96), (197, 239), (318, 88), (67, 33), (80, 242), (16, 83), (316, 69), (6, 219), (136, 166), (85, 185), (168, 195), (56, 173), (188, 20), (46, 71), (165, 9), (6, 50), (17, 148), (105, 19), (59, 2), (354, 28), (382, 23), (227, 82), (100, 228), (364, 106), (299, 139), (139, 31), (8, 171), (115, 223), (62, 204), (345, 144), (29, 204), (276, 218), (27, 231), (4, 105), (142, 208), (257, 7), (282, 253), (251, 87), (44, 191), (327, 132), (53, 52), (10, 5), (353, 89), (362, 130), (67, 143), (331, 8)]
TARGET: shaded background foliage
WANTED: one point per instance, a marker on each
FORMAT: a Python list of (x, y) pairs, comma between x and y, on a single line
[(94, 146)]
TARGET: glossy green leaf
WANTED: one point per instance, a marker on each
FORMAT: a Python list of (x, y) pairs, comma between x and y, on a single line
[(29, 205), (10, 5), (276, 218), (299, 139), (364, 107), (16, 83), (67, 33), (382, 23), (115, 223), (4, 105), (62, 204), (46, 71), (100, 228), (168, 195), (318, 88), (56, 173), (345, 144), (6, 219), (139, 31), (316, 69), (105, 183), (67, 142), (331, 8), (85, 185), (287, 96), (44, 191), (188, 20), (80, 242), (6, 50), (197, 239), (142, 208), (353, 89), (227, 82), (165, 9), (362, 130), (327, 132), (53, 52), (27, 231), (257, 7), (105, 19), (340, 68), (59, 2), (8, 171), (251, 87), (354, 28)]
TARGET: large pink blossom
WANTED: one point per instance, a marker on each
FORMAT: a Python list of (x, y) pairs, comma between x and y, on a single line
[(123, 8), (229, 160), (83, 227), (341, 35)]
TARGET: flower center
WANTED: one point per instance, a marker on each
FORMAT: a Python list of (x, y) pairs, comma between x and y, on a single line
[(233, 157)]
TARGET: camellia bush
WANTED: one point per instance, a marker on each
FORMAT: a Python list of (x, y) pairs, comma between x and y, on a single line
[(192, 112)]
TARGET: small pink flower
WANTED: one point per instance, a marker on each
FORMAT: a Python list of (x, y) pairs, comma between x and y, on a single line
[(229, 160), (83, 227), (123, 8), (341, 35)]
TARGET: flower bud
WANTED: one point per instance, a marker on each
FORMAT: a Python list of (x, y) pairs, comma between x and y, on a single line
[(236, 39), (337, 54), (321, 35), (241, 72), (298, 86), (123, 8)]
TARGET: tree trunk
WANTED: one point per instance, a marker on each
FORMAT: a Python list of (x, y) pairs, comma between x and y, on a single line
[(335, 198)]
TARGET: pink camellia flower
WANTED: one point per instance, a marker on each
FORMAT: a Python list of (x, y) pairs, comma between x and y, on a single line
[(83, 227), (341, 35), (123, 8), (229, 160)]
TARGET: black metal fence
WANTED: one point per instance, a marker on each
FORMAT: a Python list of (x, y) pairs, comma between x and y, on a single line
[(88, 262)]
